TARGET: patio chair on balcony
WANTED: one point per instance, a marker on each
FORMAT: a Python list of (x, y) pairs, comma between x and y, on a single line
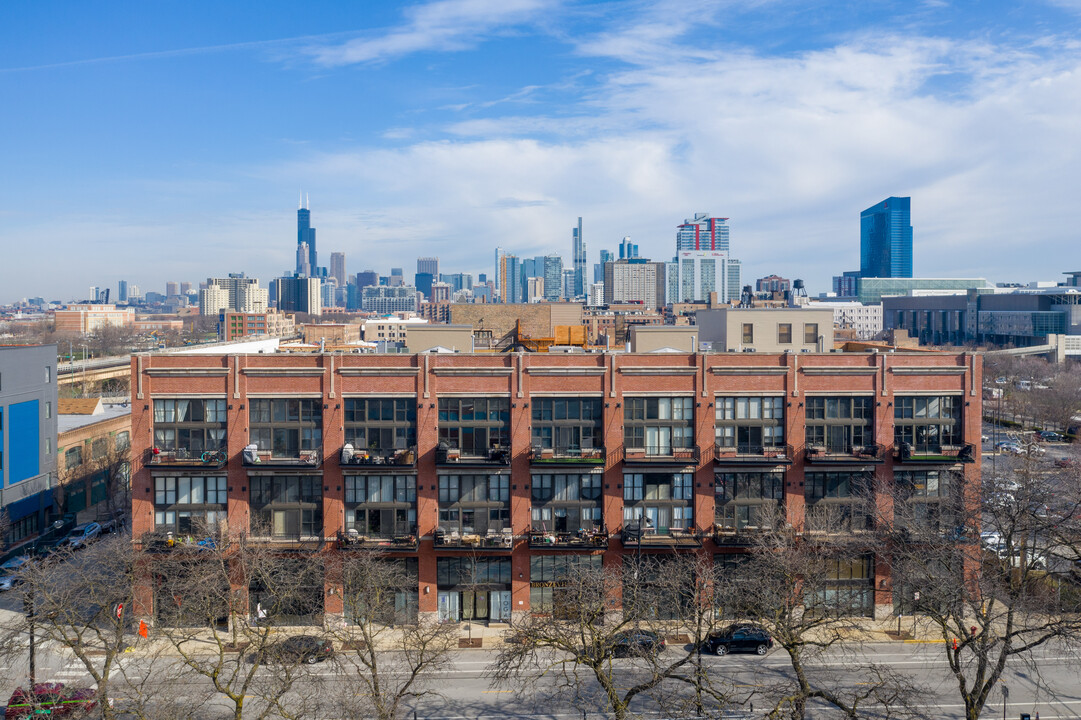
[(508, 537)]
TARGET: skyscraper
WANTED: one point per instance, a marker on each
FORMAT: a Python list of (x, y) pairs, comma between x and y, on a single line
[(886, 239), (553, 277), (306, 234), (607, 256), (627, 249), (428, 265), (122, 291), (579, 260), (337, 267), (703, 233), (498, 276), (304, 268), (367, 278), (511, 289), (300, 294)]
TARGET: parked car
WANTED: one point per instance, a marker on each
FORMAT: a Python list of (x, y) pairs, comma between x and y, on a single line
[(637, 643), (82, 535), (1066, 462), (739, 638), (11, 571), (1050, 436), (1009, 446), (52, 699), (298, 648)]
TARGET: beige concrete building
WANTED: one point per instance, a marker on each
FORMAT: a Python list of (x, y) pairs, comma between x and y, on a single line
[(767, 330), (494, 323), (389, 329), (634, 281), (429, 338), (664, 338), (83, 319), (330, 333)]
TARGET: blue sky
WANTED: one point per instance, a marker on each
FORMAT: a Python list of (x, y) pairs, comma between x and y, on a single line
[(169, 140)]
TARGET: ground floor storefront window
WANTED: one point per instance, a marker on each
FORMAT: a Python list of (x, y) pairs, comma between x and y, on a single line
[(474, 589)]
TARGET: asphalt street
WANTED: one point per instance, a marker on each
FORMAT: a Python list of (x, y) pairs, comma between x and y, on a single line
[(1052, 687)]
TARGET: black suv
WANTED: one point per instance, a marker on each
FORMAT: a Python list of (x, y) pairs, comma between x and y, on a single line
[(739, 638), (299, 648), (637, 643)]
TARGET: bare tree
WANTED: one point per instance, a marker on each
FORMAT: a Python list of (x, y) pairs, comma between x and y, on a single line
[(78, 601), (597, 614), (809, 588), (991, 599), (388, 651), (202, 596)]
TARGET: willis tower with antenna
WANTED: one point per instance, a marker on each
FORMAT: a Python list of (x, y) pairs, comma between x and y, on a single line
[(305, 235)]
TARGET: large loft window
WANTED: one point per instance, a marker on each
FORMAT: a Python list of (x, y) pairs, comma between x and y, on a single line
[(848, 588), (567, 425), (566, 505), (749, 424), (381, 506), (658, 424), (927, 424), (473, 505), (286, 427), (380, 425), (185, 505), (189, 427), (287, 506), (474, 426), (926, 500), (837, 501), (548, 579), (660, 502), (747, 500), (840, 424)]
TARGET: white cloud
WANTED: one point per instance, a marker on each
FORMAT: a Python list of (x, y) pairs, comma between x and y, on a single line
[(445, 25), (791, 148)]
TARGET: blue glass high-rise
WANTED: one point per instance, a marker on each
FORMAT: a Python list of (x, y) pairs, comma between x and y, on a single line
[(886, 239)]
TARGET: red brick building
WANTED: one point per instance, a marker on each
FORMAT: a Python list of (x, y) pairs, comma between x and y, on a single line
[(518, 462)]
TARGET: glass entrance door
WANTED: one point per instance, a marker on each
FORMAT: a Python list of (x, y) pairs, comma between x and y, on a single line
[(499, 605)]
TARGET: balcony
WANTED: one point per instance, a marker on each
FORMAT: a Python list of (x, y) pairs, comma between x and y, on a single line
[(635, 536), (159, 541), (753, 455), (406, 457), (871, 454), (453, 457), (934, 454), (306, 458), (353, 540), (582, 540), (665, 455), (726, 534), (185, 458), (575, 457), (492, 540), (291, 542)]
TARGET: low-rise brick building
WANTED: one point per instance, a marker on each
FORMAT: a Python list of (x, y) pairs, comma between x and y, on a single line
[(513, 461)]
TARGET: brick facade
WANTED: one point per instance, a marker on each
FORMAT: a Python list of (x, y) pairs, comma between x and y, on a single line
[(522, 379)]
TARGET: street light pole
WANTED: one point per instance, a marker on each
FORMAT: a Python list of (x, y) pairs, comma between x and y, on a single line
[(28, 607)]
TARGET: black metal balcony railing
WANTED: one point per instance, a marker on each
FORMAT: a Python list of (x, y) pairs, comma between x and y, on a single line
[(567, 456), (583, 539), (181, 457), (353, 540), (305, 458), (744, 454), (871, 453), (468, 540), (657, 455), (635, 536), (453, 456), (936, 454), (731, 532), (406, 457)]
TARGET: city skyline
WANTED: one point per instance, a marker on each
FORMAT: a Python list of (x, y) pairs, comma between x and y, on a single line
[(522, 116)]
